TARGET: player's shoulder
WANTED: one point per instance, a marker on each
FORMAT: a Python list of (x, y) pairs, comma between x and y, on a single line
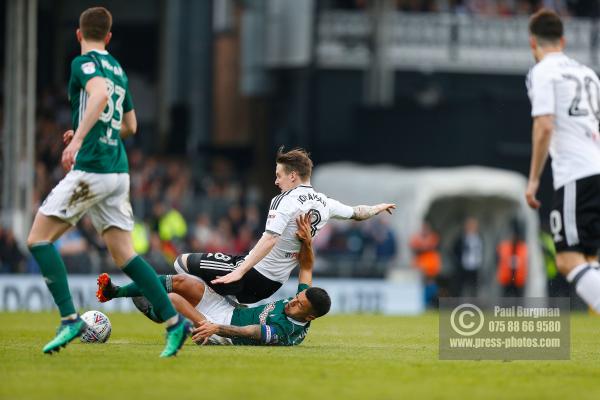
[(284, 200), (545, 67), (83, 65), (82, 59)]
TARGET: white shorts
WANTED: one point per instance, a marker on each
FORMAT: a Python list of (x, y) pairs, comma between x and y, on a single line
[(214, 307), (217, 310), (104, 196)]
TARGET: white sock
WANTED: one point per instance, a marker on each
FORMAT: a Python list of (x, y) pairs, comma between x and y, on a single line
[(70, 317), (173, 320), (587, 284)]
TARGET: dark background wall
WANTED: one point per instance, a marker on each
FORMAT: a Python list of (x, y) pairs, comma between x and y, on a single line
[(437, 120)]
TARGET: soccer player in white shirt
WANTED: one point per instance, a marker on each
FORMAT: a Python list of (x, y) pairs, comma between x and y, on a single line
[(565, 102), (269, 264)]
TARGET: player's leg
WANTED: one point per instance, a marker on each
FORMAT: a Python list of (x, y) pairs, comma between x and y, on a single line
[(113, 217), (183, 306), (62, 208), (188, 287), (120, 246), (208, 266), (251, 288), (107, 290), (184, 284), (574, 222), (580, 274), (44, 231)]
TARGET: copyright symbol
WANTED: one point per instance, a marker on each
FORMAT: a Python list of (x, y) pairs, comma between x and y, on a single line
[(466, 319)]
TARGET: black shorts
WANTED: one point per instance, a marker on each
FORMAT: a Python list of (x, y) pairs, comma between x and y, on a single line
[(575, 216), (251, 288)]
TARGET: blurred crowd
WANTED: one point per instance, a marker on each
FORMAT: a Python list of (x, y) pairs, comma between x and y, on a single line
[(577, 8), (469, 264), (175, 209), (180, 207)]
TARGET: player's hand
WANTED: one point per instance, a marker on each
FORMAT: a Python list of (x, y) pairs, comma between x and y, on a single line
[(384, 207), (67, 136), (69, 153), (233, 276), (530, 194), (203, 331), (304, 229)]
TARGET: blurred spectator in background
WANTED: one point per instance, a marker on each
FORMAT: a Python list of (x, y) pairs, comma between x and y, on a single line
[(384, 239), (468, 258), (425, 247), (12, 258), (512, 264), (177, 208), (156, 257), (73, 249)]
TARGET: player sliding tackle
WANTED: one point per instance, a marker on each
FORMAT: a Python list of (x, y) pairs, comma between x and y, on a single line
[(258, 275), (270, 263), (284, 322)]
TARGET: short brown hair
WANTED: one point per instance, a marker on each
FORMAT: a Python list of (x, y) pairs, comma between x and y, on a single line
[(319, 301), (295, 160), (95, 23), (546, 26)]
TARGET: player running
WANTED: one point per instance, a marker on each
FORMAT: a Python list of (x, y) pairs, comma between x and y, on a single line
[(97, 182), (258, 275), (284, 322), (565, 108)]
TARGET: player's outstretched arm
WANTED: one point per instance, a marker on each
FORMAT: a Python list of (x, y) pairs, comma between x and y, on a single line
[(306, 257), (205, 329), (260, 250), (128, 124), (97, 99), (362, 212), (543, 127)]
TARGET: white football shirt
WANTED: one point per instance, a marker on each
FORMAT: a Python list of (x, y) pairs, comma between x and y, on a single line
[(560, 86), (283, 258)]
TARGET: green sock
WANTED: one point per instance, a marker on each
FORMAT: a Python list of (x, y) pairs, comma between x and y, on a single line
[(133, 290), (55, 274), (150, 286)]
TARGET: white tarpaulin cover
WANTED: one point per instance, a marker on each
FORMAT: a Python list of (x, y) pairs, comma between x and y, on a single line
[(415, 191)]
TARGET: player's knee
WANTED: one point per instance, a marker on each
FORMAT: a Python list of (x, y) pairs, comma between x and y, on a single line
[(178, 281), (184, 282), (35, 238), (31, 240)]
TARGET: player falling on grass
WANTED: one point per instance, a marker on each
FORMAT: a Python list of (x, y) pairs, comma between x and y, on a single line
[(97, 182), (565, 100), (258, 275), (283, 322)]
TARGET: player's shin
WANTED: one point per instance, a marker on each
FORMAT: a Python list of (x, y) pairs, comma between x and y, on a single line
[(55, 274), (133, 290), (587, 284), (150, 286)]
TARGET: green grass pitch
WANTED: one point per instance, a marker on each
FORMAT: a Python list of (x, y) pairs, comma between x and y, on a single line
[(343, 357)]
